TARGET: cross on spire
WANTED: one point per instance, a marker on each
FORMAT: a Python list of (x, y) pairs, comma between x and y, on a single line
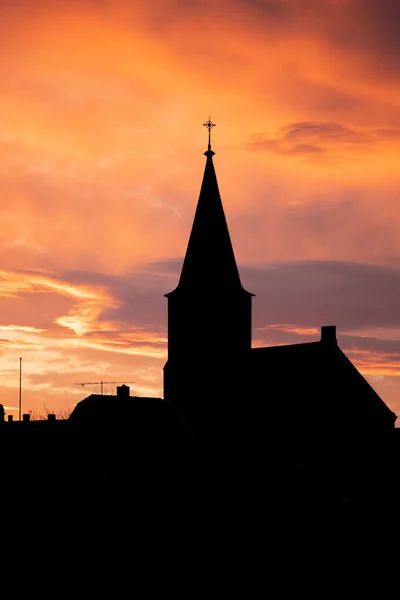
[(209, 124)]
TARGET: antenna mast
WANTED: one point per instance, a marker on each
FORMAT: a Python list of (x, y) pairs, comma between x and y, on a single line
[(101, 383), (20, 389)]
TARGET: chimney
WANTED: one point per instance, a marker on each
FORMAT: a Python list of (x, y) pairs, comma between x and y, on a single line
[(123, 391), (51, 417), (26, 417), (328, 334), (10, 418)]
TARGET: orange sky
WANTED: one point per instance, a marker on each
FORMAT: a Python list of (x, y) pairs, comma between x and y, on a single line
[(101, 141)]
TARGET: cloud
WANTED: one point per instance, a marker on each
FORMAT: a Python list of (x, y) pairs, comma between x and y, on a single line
[(20, 328), (369, 27), (127, 334), (106, 313), (304, 294), (312, 293), (101, 164), (323, 140)]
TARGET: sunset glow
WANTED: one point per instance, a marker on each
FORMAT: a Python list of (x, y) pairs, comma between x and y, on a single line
[(101, 143)]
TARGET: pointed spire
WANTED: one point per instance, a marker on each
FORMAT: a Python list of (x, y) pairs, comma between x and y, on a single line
[(210, 261)]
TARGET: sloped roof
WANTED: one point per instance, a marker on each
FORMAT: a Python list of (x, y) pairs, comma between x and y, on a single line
[(106, 408), (107, 401), (142, 417), (319, 370)]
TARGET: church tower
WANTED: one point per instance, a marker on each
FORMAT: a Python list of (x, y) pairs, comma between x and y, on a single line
[(209, 318)]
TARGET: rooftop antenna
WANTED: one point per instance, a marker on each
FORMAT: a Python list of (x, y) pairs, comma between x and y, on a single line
[(101, 383), (20, 388)]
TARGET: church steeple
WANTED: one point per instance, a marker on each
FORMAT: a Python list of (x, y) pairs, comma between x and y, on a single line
[(209, 317), (210, 260)]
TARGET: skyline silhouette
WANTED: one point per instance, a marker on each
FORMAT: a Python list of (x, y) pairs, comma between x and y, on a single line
[(100, 176), (244, 303), (291, 430)]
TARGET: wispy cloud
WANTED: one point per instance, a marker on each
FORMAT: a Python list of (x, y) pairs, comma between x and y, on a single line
[(101, 164), (326, 141)]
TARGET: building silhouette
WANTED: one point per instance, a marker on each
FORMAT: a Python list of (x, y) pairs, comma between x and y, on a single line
[(292, 427), (209, 318), (300, 404)]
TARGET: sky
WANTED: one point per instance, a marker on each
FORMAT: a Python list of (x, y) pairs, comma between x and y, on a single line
[(101, 141)]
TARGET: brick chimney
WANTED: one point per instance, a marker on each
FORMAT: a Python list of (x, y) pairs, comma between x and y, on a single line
[(328, 334), (123, 391), (26, 417)]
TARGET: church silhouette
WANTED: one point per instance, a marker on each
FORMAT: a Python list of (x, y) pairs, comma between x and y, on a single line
[(299, 420), (220, 384)]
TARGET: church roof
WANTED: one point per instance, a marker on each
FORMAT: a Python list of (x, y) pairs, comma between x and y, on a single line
[(210, 260), (319, 370)]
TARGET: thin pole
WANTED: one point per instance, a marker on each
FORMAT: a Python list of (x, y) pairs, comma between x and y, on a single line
[(101, 387), (20, 389)]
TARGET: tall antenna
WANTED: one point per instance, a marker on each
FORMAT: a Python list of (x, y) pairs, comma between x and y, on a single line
[(20, 389), (101, 383)]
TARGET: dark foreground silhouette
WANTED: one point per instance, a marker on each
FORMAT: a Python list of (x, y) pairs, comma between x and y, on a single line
[(260, 469), (125, 500)]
